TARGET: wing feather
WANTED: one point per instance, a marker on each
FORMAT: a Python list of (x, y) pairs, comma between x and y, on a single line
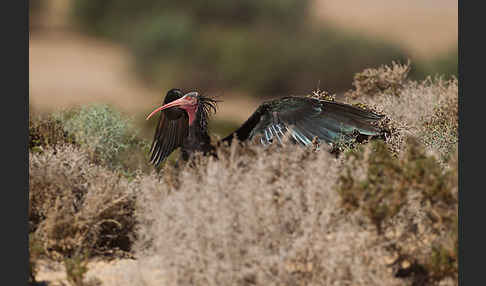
[(169, 135), (304, 119)]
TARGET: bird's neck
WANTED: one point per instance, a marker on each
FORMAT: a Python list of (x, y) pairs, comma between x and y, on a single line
[(198, 139), (192, 111)]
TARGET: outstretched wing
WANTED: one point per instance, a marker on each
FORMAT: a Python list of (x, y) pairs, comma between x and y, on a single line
[(304, 119), (169, 135)]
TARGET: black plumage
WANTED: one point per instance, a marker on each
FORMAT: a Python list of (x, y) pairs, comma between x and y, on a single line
[(183, 123), (173, 129), (305, 118)]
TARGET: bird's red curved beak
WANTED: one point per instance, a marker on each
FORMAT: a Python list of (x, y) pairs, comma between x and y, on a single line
[(187, 102)]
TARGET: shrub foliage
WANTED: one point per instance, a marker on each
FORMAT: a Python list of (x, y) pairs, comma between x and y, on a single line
[(382, 213), (388, 185), (47, 132), (107, 136), (75, 205)]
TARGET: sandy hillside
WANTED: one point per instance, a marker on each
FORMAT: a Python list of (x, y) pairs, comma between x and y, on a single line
[(424, 28), (67, 69)]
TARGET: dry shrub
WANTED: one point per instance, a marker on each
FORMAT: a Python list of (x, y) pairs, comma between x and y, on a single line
[(383, 80), (446, 113), (263, 217), (426, 110), (322, 95), (413, 202), (441, 129), (47, 132), (271, 216), (274, 217), (75, 205)]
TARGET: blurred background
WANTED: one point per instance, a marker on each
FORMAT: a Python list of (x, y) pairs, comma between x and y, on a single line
[(129, 53)]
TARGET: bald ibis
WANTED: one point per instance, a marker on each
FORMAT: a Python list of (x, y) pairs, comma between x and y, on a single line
[(184, 119)]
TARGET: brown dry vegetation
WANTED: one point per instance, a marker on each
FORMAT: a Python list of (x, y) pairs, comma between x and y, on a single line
[(78, 207), (382, 213), (427, 110)]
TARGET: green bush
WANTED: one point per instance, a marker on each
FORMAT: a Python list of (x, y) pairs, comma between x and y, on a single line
[(104, 132), (36, 6), (265, 47), (76, 269), (96, 15), (446, 64)]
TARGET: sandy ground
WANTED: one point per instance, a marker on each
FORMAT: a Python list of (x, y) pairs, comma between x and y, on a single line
[(425, 28), (109, 273), (66, 69)]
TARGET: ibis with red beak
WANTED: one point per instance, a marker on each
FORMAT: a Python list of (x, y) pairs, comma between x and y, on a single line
[(184, 117)]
